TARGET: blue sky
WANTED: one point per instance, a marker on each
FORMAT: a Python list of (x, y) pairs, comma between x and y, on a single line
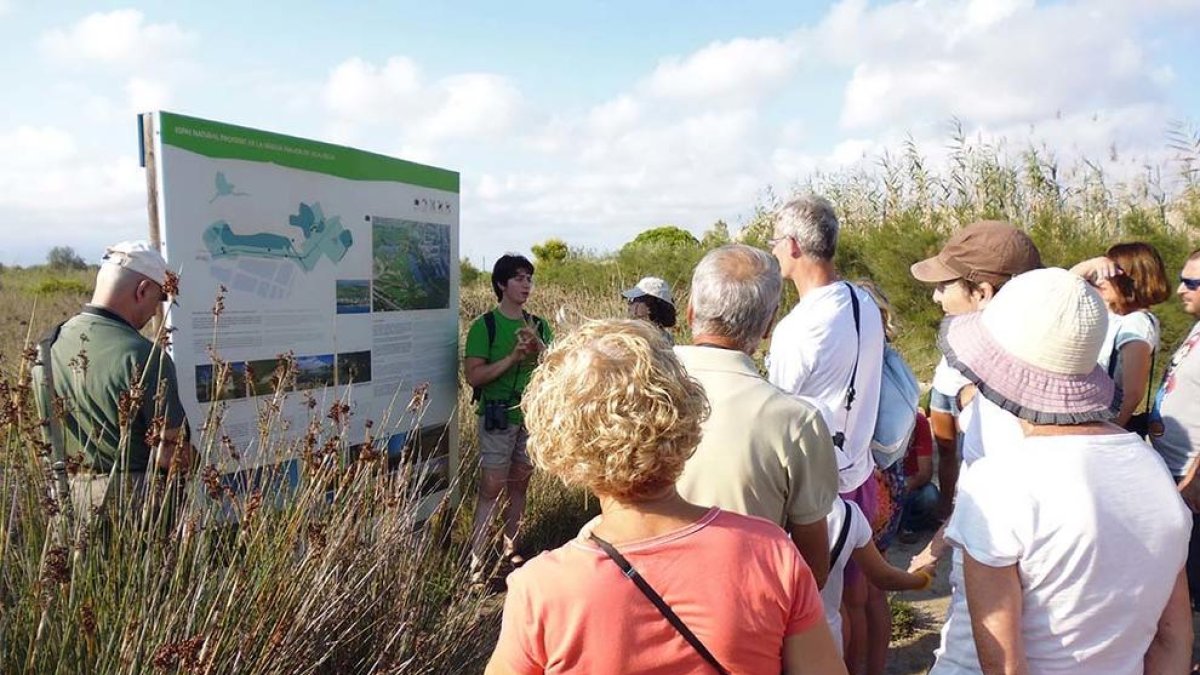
[(586, 121)]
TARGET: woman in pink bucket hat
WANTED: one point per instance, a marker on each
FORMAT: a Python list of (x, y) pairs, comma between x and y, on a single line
[(1074, 538)]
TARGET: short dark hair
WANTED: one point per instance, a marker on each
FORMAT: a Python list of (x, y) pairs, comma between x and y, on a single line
[(661, 312), (507, 267)]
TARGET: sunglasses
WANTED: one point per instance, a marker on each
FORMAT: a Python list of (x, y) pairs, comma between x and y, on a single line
[(1190, 284)]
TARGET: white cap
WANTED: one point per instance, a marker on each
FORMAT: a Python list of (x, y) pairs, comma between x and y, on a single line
[(138, 256), (652, 286)]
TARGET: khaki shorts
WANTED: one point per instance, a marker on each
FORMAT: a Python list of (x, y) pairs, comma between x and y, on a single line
[(501, 449)]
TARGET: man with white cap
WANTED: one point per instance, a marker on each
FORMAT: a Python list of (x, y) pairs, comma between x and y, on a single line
[(121, 415), (651, 301)]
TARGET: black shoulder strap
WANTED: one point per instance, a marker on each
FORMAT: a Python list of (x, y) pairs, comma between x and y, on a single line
[(839, 438), (840, 544), (661, 604), (1112, 359), (489, 322)]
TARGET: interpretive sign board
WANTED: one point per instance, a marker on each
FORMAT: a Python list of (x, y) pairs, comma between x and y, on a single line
[(339, 261)]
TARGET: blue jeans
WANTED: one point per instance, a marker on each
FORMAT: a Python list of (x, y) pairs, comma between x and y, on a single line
[(920, 507)]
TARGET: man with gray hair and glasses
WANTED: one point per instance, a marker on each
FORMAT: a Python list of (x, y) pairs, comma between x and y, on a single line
[(829, 348), (763, 453)]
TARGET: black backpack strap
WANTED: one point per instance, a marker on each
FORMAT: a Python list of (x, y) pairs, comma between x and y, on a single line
[(489, 322), (840, 544), (839, 438), (661, 604)]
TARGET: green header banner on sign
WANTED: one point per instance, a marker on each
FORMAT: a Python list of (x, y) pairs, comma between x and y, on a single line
[(228, 141)]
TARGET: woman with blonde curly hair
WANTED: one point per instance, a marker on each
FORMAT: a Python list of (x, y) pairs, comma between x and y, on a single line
[(654, 583)]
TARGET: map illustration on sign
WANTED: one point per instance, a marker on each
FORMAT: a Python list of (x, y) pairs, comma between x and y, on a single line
[(411, 265), (323, 237)]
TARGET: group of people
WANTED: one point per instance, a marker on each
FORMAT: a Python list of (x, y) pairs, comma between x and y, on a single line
[(741, 515)]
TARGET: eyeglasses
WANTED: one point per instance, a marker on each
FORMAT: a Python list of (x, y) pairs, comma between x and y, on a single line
[(1191, 284), (775, 240)]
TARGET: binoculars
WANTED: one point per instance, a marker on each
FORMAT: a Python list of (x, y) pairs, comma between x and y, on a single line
[(495, 415)]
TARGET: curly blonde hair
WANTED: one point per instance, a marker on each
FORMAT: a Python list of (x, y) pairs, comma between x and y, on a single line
[(612, 409)]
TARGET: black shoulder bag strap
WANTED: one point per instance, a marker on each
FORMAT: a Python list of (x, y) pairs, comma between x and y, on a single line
[(839, 438), (661, 604), (836, 551)]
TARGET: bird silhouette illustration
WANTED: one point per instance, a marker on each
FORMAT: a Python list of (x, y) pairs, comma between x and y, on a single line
[(225, 188)]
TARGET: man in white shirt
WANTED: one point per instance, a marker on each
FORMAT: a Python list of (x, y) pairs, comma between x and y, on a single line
[(819, 352)]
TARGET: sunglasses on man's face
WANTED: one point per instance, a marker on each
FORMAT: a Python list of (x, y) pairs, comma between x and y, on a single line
[(1190, 284)]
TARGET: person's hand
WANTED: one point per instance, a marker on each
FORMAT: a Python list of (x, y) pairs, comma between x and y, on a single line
[(930, 569), (1095, 270), (533, 343), (930, 555), (523, 348), (1189, 489)]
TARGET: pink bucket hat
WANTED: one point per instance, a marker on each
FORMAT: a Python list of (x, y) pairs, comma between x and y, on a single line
[(1033, 349)]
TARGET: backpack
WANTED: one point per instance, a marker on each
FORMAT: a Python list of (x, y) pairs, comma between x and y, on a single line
[(489, 322), (899, 395)]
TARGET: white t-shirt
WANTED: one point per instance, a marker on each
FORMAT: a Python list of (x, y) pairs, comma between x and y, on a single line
[(947, 381), (1132, 327), (1098, 533), (812, 354), (985, 429), (857, 536)]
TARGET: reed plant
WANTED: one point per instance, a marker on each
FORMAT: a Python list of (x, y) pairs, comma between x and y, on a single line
[(331, 561)]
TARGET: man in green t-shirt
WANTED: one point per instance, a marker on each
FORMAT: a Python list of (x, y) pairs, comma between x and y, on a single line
[(501, 352), (120, 411)]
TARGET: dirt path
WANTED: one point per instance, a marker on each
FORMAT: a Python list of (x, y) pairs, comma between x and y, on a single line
[(914, 655)]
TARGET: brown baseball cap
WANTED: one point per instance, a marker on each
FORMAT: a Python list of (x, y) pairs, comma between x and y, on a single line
[(988, 250)]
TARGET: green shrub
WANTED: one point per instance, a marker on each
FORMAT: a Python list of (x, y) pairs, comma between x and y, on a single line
[(53, 285)]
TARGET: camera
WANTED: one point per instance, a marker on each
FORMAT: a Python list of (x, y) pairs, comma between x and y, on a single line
[(495, 415)]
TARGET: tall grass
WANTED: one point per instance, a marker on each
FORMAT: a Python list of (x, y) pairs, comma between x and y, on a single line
[(329, 569)]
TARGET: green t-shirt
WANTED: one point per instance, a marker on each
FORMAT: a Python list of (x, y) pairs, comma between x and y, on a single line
[(510, 385), (115, 354)]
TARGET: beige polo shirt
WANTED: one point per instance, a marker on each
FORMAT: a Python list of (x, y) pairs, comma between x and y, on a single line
[(764, 452)]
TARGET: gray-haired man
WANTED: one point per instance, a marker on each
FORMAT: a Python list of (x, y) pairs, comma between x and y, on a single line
[(763, 453)]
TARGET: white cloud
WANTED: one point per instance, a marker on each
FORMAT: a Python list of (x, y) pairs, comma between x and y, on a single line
[(146, 95), (394, 99), (725, 72), (29, 147), (122, 37), (994, 62)]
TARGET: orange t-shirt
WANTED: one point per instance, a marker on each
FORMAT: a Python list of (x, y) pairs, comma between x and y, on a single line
[(736, 581)]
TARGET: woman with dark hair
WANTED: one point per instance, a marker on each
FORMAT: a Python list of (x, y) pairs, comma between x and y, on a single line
[(650, 300), (1131, 278)]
